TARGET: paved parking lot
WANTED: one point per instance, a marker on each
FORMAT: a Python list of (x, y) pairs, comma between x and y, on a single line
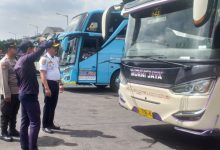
[(93, 120)]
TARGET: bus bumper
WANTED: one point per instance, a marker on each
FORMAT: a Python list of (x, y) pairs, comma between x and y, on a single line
[(193, 114)]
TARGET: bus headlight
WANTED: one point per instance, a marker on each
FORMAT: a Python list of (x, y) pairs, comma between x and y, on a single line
[(195, 87), (66, 70), (122, 79)]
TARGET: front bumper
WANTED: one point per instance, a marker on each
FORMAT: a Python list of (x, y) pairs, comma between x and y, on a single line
[(199, 113)]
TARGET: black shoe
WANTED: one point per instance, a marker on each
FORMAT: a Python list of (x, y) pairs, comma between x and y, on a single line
[(6, 138), (55, 127), (14, 133), (47, 130)]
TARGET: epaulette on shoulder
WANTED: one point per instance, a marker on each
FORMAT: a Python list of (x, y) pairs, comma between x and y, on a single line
[(4, 60), (4, 63), (46, 56)]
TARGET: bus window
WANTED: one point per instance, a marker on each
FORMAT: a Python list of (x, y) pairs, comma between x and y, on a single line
[(113, 23), (77, 23), (122, 33), (72, 51), (94, 24), (90, 47), (69, 57)]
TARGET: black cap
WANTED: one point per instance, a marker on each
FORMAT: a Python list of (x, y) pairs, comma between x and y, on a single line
[(23, 47), (10, 45), (55, 41), (56, 44)]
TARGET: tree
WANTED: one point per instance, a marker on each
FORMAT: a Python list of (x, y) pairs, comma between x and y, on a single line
[(2, 44)]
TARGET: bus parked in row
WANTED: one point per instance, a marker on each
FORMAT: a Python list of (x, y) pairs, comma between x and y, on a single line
[(171, 66), (92, 47)]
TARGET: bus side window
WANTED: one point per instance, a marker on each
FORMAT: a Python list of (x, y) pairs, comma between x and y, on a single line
[(94, 24), (122, 34), (116, 20), (216, 39), (90, 47)]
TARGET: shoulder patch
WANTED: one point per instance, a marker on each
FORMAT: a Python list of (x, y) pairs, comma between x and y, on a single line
[(44, 61)]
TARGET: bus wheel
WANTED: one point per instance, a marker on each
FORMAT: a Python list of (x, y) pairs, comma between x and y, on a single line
[(101, 87), (114, 85)]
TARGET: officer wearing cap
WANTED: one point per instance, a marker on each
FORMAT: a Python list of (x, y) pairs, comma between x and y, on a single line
[(9, 94), (28, 93), (50, 76)]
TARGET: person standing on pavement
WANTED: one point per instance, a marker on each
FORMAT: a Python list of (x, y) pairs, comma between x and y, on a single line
[(28, 93), (9, 94), (51, 79)]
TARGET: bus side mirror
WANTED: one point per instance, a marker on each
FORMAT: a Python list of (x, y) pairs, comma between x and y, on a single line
[(201, 11), (65, 44)]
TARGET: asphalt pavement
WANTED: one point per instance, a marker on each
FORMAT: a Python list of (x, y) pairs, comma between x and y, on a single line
[(92, 120)]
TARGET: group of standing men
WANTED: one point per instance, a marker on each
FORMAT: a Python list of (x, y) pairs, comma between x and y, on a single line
[(19, 86)]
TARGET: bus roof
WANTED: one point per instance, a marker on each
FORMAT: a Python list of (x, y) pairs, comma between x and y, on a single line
[(142, 4), (95, 11), (89, 12)]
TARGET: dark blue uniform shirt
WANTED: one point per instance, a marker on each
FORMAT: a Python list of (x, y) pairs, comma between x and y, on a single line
[(26, 71)]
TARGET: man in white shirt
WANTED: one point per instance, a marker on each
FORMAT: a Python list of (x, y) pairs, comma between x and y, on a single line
[(51, 79)]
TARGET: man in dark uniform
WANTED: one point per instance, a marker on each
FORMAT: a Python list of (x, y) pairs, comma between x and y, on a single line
[(28, 93), (50, 76), (9, 94)]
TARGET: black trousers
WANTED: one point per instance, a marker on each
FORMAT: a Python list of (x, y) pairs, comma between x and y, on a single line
[(9, 112), (30, 121), (50, 104)]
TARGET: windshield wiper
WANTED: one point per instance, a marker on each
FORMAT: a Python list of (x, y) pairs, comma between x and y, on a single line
[(186, 67), (148, 56)]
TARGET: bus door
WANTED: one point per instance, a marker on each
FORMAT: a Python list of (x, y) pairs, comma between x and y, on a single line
[(88, 60)]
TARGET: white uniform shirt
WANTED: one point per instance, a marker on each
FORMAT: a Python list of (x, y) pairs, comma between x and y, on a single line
[(51, 66)]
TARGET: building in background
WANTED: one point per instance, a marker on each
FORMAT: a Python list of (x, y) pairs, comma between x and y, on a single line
[(52, 30)]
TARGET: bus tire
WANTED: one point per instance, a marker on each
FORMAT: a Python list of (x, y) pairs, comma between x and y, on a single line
[(114, 84)]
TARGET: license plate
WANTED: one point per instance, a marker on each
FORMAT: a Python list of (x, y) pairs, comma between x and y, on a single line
[(145, 113)]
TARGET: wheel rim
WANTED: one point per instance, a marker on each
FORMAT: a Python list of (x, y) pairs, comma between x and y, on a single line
[(117, 82)]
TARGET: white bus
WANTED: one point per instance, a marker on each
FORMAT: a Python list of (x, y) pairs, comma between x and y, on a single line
[(171, 66)]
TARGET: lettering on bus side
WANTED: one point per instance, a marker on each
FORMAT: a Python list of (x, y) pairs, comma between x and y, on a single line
[(143, 73)]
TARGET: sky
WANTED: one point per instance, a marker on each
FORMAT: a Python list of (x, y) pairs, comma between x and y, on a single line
[(18, 16)]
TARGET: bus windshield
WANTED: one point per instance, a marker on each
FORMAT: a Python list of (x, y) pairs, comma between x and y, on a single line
[(172, 35), (76, 23), (69, 57)]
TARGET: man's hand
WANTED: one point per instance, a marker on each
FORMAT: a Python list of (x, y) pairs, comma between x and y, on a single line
[(8, 99), (48, 92), (61, 88), (42, 39)]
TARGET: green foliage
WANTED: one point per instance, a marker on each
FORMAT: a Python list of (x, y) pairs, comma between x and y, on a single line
[(2, 44)]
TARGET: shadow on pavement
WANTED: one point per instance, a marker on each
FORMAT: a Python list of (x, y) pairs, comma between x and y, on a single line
[(168, 136), (47, 141), (84, 133), (90, 90)]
